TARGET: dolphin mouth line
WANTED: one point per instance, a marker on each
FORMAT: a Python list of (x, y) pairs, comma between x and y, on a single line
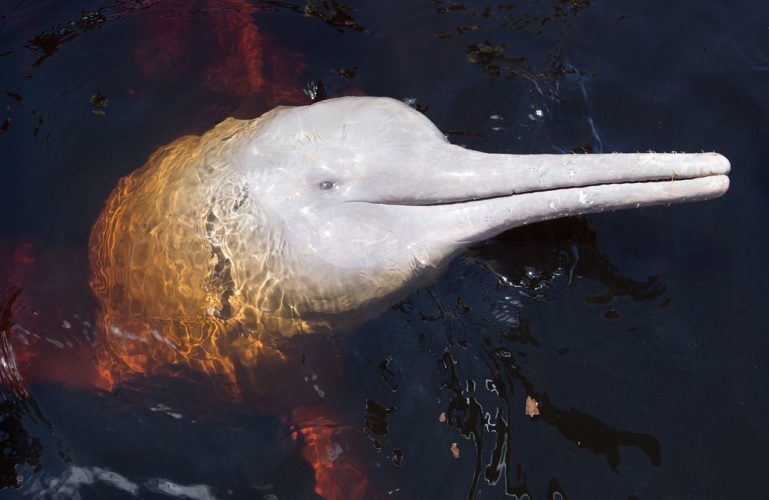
[(416, 203)]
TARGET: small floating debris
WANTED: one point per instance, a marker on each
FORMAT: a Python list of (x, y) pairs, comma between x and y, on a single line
[(348, 74), (99, 102), (442, 417), (454, 450), (532, 407)]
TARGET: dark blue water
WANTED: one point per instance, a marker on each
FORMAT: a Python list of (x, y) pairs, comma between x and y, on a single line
[(642, 334)]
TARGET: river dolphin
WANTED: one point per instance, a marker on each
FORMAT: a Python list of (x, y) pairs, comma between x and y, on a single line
[(314, 218)]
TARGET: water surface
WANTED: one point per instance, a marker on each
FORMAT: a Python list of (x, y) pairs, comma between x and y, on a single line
[(641, 334)]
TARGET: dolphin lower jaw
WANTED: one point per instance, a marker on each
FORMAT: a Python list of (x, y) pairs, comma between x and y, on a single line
[(488, 219), (460, 223)]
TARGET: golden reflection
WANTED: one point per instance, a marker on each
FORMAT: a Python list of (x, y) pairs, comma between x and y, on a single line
[(337, 476), (162, 267), (246, 62)]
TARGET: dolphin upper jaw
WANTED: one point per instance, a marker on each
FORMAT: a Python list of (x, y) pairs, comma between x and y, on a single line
[(553, 172)]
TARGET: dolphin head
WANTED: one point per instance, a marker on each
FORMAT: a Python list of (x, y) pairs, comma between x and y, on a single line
[(372, 200), (309, 216)]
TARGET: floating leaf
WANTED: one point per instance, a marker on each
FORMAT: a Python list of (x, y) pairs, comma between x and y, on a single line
[(532, 407), (99, 101)]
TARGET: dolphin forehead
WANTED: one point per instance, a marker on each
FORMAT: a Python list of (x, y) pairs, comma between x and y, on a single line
[(365, 148), (356, 122)]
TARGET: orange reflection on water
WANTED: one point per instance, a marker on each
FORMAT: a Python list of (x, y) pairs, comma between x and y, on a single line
[(246, 61), (161, 268), (168, 301), (337, 475), (50, 339)]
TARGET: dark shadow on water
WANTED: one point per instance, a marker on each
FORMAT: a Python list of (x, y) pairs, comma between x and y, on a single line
[(465, 412), (486, 347), (544, 259), (19, 448)]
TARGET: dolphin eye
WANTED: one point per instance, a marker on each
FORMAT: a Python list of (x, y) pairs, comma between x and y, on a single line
[(326, 185)]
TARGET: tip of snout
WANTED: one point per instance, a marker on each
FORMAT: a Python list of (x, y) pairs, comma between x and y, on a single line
[(719, 165), (719, 174), (720, 184)]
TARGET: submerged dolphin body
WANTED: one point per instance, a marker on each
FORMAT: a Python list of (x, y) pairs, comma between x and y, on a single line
[(314, 218)]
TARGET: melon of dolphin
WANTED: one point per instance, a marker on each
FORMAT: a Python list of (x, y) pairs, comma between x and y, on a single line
[(317, 217)]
